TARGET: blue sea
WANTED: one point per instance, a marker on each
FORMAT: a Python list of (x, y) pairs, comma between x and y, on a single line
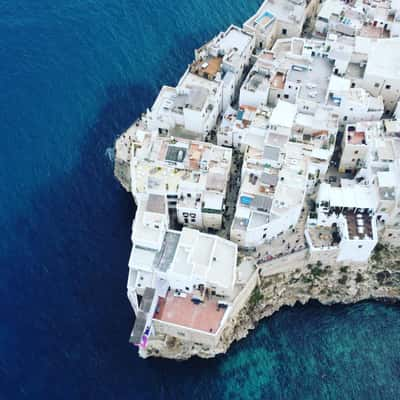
[(73, 75)]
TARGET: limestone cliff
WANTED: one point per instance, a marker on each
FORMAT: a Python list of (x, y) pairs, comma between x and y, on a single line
[(329, 284)]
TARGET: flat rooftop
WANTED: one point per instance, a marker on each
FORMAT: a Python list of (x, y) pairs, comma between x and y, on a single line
[(181, 311), (207, 257), (234, 38), (163, 163), (283, 114), (153, 259), (314, 81), (355, 196), (384, 59), (330, 7), (286, 10)]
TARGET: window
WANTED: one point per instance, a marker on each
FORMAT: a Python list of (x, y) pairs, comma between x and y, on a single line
[(264, 236), (286, 96), (390, 234), (284, 31), (387, 87), (353, 160), (345, 118), (360, 246), (186, 288), (353, 84), (356, 152), (279, 96), (376, 85)]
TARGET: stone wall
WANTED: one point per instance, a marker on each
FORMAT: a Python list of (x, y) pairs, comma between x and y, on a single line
[(329, 284)]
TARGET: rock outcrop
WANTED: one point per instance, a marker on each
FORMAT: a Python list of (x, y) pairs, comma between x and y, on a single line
[(328, 284)]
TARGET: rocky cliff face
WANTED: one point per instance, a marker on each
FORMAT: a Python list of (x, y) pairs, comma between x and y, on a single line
[(329, 284)]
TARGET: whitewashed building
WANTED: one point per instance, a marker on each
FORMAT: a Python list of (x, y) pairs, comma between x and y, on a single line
[(192, 176), (345, 225), (224, 60), (278, 19)]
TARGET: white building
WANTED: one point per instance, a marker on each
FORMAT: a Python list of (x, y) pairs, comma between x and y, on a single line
[(352, 104), (224, 60), (183, 286), (307, 71), (191, 175), (357, 143), (317, 134), (278, 19), (190, 110), (345, 224), (283, 117), (247, 126), (272, 192), (389, 192), (328, 9), (382, 77), (255, 88), (374, 19)]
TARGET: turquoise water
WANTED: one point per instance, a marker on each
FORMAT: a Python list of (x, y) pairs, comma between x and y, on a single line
[(73, 75)]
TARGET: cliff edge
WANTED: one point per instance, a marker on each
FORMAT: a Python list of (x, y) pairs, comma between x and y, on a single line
[(328, 284)]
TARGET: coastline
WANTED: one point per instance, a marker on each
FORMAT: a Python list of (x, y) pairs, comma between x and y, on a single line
[(286, 289), (297, 276), (289, 289)]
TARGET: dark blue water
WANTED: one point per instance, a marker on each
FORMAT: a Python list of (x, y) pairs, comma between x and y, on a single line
[(73, 75)]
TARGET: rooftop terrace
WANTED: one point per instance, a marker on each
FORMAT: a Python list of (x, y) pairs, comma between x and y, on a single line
[(207, 68), (359, 226), (356, 137), (323, 237), (206, 316), (315, 80)]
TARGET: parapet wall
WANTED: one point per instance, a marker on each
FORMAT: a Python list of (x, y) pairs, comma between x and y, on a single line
[(285, 264), (187, 334)]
